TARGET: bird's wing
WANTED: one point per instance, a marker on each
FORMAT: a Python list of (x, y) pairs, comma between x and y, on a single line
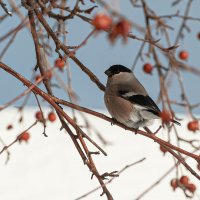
[(140, 100), (144, 101)]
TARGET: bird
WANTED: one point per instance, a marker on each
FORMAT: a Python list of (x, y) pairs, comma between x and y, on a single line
[(127, 101)]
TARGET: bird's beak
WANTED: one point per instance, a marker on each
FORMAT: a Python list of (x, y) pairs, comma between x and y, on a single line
[(108, 72)]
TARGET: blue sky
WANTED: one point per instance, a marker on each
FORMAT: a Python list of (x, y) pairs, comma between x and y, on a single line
[(99, 54)]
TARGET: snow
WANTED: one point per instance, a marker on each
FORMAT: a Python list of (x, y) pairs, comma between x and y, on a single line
[(51, 168)]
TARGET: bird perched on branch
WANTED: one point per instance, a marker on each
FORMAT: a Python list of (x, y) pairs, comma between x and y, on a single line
[(127, 100)]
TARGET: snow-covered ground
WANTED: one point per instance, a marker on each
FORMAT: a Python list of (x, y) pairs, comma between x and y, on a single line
[(50, 167)]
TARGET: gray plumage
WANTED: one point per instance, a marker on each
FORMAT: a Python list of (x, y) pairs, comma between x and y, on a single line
[(127, 100)]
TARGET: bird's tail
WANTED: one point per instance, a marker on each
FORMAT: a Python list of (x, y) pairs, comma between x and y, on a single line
[(175, 122)]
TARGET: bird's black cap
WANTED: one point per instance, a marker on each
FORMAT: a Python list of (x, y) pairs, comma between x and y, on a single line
[(116, 69)]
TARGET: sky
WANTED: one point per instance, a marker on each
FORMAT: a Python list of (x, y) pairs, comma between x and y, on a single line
[(99, 54)]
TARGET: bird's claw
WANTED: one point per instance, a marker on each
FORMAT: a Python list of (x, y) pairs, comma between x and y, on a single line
[(113, 121)]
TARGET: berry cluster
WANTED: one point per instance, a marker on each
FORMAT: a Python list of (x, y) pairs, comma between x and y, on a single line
[(184, 184), (120, 28), (148, 68), (51, 116), (25, 136)]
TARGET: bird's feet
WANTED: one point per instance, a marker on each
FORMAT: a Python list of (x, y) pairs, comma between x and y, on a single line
[(136, 131), (113, 121), (147, 130)]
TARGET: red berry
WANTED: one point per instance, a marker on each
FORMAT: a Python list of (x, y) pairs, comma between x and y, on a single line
[(174, 183), (38, 115), (37, 77), (147, 68), (121, 28), (25, 136), (59, 63), (183, 55), (193, 125), (48, 74), (51, 116), (191, 187), (102, 22), (163, 149), (10, 126), (165, 116), (184, 180)]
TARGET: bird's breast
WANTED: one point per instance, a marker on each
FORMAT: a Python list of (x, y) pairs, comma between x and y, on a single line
[(118, 107)]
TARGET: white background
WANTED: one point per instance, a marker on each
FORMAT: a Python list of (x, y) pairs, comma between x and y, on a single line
[(50, 168)]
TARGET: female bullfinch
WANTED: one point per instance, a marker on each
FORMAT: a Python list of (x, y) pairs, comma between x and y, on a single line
[(127, 100)]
